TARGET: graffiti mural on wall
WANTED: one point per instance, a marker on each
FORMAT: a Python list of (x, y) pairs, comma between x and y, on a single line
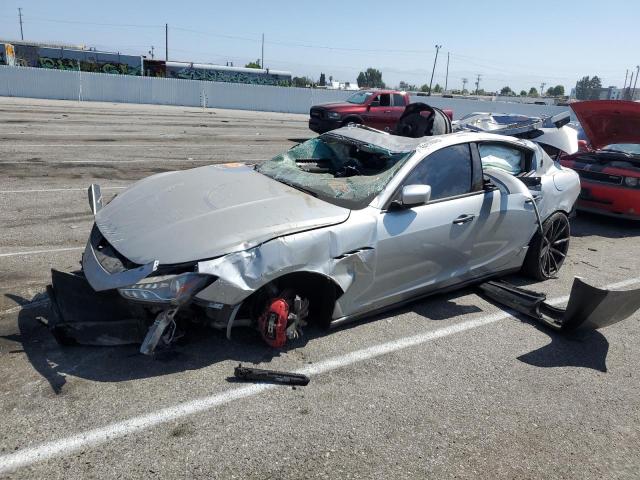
[(213, 75), (88, 66), (76, 59), (7, 54)]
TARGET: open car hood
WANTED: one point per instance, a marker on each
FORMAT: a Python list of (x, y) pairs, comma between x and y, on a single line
[(609, 121), (206, 212)]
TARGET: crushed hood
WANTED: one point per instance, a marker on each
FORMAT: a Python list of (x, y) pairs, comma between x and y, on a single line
[(206, 212), (609, 121)]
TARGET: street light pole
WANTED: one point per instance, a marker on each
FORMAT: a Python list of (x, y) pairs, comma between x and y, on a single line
[(438, 47), (166, 42), (446, 79), (20, 16), (633, 93)]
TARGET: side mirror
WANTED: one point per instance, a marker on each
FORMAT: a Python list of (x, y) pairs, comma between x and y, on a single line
[(413, 195)]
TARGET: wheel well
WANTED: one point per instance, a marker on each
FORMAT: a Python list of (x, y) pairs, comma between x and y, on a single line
[(320, 290), (352, 119)]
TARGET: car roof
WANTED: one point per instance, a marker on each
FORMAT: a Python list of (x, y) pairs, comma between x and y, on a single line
[(398, 144)]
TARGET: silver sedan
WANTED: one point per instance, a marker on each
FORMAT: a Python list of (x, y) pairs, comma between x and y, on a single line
[(343, 225)]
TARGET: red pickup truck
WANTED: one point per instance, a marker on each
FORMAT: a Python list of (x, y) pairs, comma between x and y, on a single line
[(379, 109)]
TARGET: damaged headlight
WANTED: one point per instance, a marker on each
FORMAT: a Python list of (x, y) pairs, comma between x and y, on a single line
[(167, 289), (333, 115)]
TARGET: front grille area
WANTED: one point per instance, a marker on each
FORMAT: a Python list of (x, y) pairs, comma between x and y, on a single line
[(316, 113), (110, 259), (600, 177)]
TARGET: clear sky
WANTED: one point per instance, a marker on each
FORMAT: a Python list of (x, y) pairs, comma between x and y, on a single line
[(514, 43)]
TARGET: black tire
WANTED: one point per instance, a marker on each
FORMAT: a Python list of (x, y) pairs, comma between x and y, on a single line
[(547, 253)]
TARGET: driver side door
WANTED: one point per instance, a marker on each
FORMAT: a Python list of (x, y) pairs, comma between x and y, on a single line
[(379, 114), (464, 231)]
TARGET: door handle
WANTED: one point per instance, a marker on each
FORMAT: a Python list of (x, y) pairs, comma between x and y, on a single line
[(463, 219), (387, 111)]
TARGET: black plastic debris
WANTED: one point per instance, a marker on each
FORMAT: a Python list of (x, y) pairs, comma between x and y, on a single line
[(588, 307), (80, 315), (269, 376)]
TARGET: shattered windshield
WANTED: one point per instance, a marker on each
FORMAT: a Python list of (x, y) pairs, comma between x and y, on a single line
[(339, 170), (359, 98)]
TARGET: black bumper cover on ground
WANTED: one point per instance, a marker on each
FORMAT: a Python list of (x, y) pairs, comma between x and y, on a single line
[(80, 315), (588, 307)]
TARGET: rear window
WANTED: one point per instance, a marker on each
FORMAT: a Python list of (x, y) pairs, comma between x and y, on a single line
[(398, 100)]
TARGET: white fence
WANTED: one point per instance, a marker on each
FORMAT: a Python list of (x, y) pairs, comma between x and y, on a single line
[(99, 87)]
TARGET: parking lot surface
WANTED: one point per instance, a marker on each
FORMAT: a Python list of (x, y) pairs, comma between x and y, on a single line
[(448, 387)]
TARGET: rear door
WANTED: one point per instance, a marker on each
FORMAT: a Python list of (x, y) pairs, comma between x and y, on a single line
[(399, 104)]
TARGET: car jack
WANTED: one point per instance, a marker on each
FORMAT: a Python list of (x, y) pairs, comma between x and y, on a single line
[(588, 307)]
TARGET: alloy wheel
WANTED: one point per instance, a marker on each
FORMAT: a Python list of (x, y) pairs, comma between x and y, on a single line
[(555, 244)]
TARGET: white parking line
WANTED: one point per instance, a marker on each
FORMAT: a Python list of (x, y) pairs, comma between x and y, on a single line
[(69, 189), (97, 436), (38, 252)]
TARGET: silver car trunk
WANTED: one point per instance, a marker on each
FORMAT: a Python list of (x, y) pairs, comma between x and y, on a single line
[(206, 212)]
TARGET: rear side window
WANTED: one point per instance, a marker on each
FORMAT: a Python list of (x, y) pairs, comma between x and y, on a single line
[(398, 100), (448, 171), (504, 157)]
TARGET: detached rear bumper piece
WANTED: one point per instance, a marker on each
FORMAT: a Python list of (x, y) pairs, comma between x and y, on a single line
[(80, 315), (588, 308)]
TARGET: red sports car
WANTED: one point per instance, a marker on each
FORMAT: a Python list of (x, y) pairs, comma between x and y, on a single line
[(610, 168)]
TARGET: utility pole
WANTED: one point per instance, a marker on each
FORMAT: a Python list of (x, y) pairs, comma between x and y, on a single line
[(542, 85), (20, 17), (478, 83), (464, 84), (262, 56), (438, 47), (636, 82), (166, 42), (151, 52), (446, 79), (628, 92), (626, 74)]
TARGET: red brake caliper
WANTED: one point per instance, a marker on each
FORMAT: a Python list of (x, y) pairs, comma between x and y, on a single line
[(273, 322), (282, 319)]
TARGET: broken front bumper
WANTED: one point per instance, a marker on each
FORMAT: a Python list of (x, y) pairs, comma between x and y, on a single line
[(81, 315)]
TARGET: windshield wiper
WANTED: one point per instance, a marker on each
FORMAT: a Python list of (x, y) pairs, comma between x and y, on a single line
[(298, 187)]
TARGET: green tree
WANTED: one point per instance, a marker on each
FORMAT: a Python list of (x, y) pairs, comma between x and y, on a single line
[(533, 92), (371, 78), (437, 88), (588, 88), (322, 82), (506, 91), (255, 64), (557, 91), (523, 93), (424, 88), (302, 82)]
